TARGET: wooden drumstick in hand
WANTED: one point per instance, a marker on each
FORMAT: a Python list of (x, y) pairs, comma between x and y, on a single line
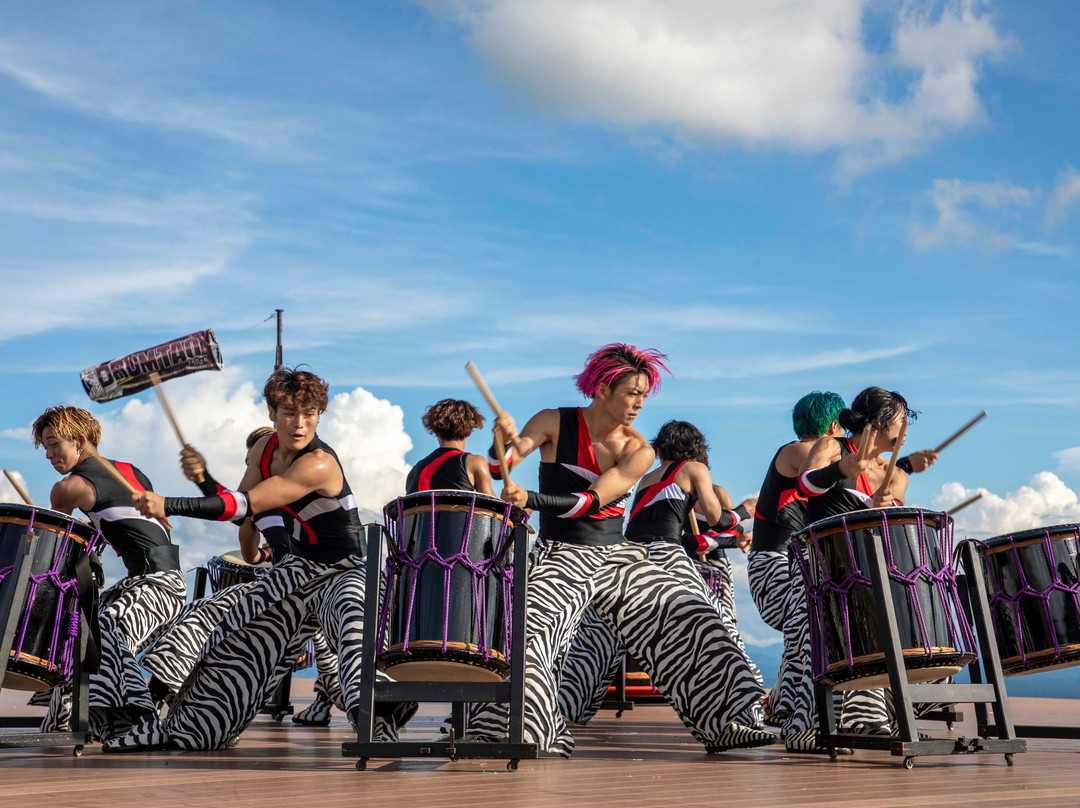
[(961, 431), (895, 456), (500, 455), (121, 479), (964, 504), (694, 529), (18, 488), (156, 381), (485, 391)]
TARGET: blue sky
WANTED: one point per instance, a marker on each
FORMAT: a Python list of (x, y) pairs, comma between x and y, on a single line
[(782, 196)]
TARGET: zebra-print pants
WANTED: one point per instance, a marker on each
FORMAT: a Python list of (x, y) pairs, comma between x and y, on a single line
[(778, 589), (252, 649), (131, 614), (670, 628), (594, 656)]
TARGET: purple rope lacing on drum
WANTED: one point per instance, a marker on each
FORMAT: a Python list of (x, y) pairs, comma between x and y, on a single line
[(1027, 589), (479, 572), (713, 578), (66, 588), (944, 580)]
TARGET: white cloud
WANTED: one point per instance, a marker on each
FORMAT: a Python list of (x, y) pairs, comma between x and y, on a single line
[(1043, 248), (795, 72), (1045, 500), (1068, 459), (216, 411), (1066, 192), (960, 206), (7, 490)]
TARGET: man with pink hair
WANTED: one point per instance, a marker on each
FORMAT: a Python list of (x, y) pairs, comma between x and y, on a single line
[(590, 458)]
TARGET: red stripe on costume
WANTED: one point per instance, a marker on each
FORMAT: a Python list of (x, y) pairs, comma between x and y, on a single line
[(786, 498), (311, 537), (129, 474), (230, 504), (586, 457), (654, 489), (268, 453), (609, 511), (424, 483), (863, 484)]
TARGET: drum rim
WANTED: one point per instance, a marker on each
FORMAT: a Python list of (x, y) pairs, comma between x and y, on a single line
[(868, 517), (495, 505), (242, 565), (1023, 538), (34, 660), (47, 519)]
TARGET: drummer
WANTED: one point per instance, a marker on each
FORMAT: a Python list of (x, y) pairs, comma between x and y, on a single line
[(590, 458), (660, 514), (320, 582), (450, 467), (134, 609)]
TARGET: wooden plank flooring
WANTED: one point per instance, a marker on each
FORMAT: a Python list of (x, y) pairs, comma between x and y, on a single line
[(645, 758)]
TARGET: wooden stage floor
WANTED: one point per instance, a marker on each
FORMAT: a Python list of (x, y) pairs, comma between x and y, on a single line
[(645, 758)]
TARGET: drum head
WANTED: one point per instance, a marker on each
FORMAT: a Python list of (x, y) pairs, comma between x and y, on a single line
[(237, 560), (870, 518), (998, 544), (425, 662), (47, 519)]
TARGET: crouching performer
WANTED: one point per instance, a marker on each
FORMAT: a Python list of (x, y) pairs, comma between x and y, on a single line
[(132, 611), (258, 639), (590, 458)]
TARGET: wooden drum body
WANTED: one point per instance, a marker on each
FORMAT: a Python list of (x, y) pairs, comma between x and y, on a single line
[(847, 648), (42, 649), (1032, 580), (445, 612)]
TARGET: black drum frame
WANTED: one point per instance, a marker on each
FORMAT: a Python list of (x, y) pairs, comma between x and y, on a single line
[(458, 693), (80, 691), (987, 688)]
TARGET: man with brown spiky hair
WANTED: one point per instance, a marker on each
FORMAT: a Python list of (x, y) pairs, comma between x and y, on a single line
[(294, 473), (133, 610)]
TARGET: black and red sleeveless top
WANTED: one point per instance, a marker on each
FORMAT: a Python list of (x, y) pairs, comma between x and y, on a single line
[(844, 496), (573, 471), (321, 529), (126, 530), (442, 470), (780, 510), (660, 510)]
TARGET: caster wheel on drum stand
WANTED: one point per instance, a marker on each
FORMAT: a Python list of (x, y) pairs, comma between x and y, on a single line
[(833, 754), (1009, 760), (278, 717), (511, 765), (78, 750), (619, 714), (909, 763), (361, 764)]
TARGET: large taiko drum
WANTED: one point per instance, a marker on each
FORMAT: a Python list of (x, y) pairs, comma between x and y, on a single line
[(847, 650), (1032, 581), (445, 613), (44, 645)]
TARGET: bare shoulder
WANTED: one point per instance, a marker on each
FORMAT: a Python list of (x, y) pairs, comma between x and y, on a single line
[(791, 458), (73, 492)]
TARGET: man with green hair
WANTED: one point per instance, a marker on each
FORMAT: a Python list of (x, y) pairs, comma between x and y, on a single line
[(777, 587)]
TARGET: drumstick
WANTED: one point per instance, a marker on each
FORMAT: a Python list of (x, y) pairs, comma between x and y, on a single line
[(485, 391), (864, 441), (155, 379), (18, 488), (964, 504), (895, 456), (122, 480), (500, 455), (962, 430)]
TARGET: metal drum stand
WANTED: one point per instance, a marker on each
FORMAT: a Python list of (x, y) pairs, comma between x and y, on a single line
[(908, 745)]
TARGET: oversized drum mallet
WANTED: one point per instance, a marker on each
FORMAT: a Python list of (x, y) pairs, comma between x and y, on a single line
[(485, 391), (155, 380), (18, 488)]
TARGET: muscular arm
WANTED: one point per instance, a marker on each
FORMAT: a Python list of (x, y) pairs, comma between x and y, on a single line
[(707, 503), (790, 460), (479, 476), (73, 492), (249, 542), (541, 430)]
